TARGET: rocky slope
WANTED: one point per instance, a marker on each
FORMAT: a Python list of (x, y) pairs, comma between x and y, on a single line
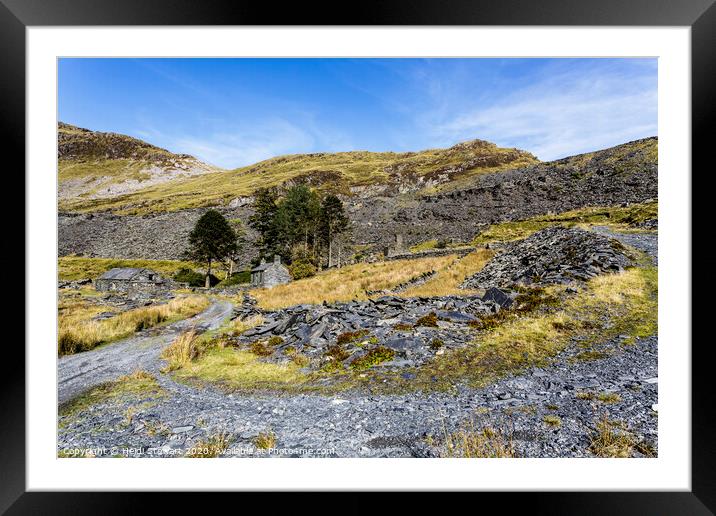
[(95, 165), (623, 174)]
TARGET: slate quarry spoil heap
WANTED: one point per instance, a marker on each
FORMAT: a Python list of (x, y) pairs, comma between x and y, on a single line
[(413, 328), (556, 255)]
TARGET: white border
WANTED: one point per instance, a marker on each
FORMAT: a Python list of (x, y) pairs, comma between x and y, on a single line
[(670, 471)]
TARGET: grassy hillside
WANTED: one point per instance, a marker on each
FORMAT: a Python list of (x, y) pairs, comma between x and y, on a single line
[(79, 267), (94, 164), (341, 172)]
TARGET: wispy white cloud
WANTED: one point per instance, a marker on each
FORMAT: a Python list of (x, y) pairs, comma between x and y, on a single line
[(557, 115), (246, 145)]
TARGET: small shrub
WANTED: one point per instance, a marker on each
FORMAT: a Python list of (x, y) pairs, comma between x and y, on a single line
[(193, 278), (430, 320), (259, 348), (587, 356), (301, 269), (403, 327), (275, 340), (300, 360), (265, 440), (290, 351), (337, 353), (609, 397), (237, 278), (373, 357), (583, 395), (489, 322), (436, 344), (441, 243), (350, 336), (552, 420), (531, 298)]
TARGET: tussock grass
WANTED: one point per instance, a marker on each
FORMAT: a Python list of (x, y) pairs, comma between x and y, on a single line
[(618, 217), (265, 440), (609, 397), (213, 446), (138, 385), (449, 278), (552, 420), (480, 443), (183, 350), (80, 267), (78, 332), (348, 283), (609, 439)]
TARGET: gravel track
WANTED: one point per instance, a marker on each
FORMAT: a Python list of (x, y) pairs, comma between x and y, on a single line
[(360, 425)]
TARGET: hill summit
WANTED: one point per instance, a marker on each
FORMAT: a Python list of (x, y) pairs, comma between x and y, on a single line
[(93, 164)]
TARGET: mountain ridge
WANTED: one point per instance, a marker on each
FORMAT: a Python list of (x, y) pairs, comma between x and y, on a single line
[(350, 173)]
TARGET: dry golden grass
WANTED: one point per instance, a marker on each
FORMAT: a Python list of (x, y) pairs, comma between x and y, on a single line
[(265, 440), (213, 446), (348, 283), (479, 443), (183, 350), (78, 332), (552, 420), (448, 279), (237, 326), (611, 440)]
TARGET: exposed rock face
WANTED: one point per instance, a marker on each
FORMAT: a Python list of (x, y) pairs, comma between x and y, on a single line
[(163, 236), (553, 255), (623, 174)]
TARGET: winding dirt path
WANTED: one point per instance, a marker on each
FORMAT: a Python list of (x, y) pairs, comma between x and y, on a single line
[(82, 371)]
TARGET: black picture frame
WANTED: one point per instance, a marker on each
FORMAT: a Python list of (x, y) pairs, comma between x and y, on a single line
[(700, 15)]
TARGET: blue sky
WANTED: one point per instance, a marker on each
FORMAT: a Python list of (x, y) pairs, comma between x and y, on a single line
[(234, 112)]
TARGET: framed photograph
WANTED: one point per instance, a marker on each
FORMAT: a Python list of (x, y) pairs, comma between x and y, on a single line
[(442, 248)]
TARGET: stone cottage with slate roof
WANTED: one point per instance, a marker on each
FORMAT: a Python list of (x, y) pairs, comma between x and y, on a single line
[(269, 275), (131, 281)]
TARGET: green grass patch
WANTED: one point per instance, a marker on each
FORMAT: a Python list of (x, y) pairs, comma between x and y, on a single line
[(79, 267), (239, 370)]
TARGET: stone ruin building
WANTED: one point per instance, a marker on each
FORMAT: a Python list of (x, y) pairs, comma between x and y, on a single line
[(132, 281), (269, 275)]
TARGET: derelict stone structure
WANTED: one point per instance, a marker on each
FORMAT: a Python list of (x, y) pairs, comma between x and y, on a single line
[(269, 275), (131, 281)]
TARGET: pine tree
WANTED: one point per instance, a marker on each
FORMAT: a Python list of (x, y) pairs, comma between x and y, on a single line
[(264, 221), (212, 239)]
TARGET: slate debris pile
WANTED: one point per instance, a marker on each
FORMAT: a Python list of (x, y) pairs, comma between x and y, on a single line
[(556, 255), (388, 321)]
